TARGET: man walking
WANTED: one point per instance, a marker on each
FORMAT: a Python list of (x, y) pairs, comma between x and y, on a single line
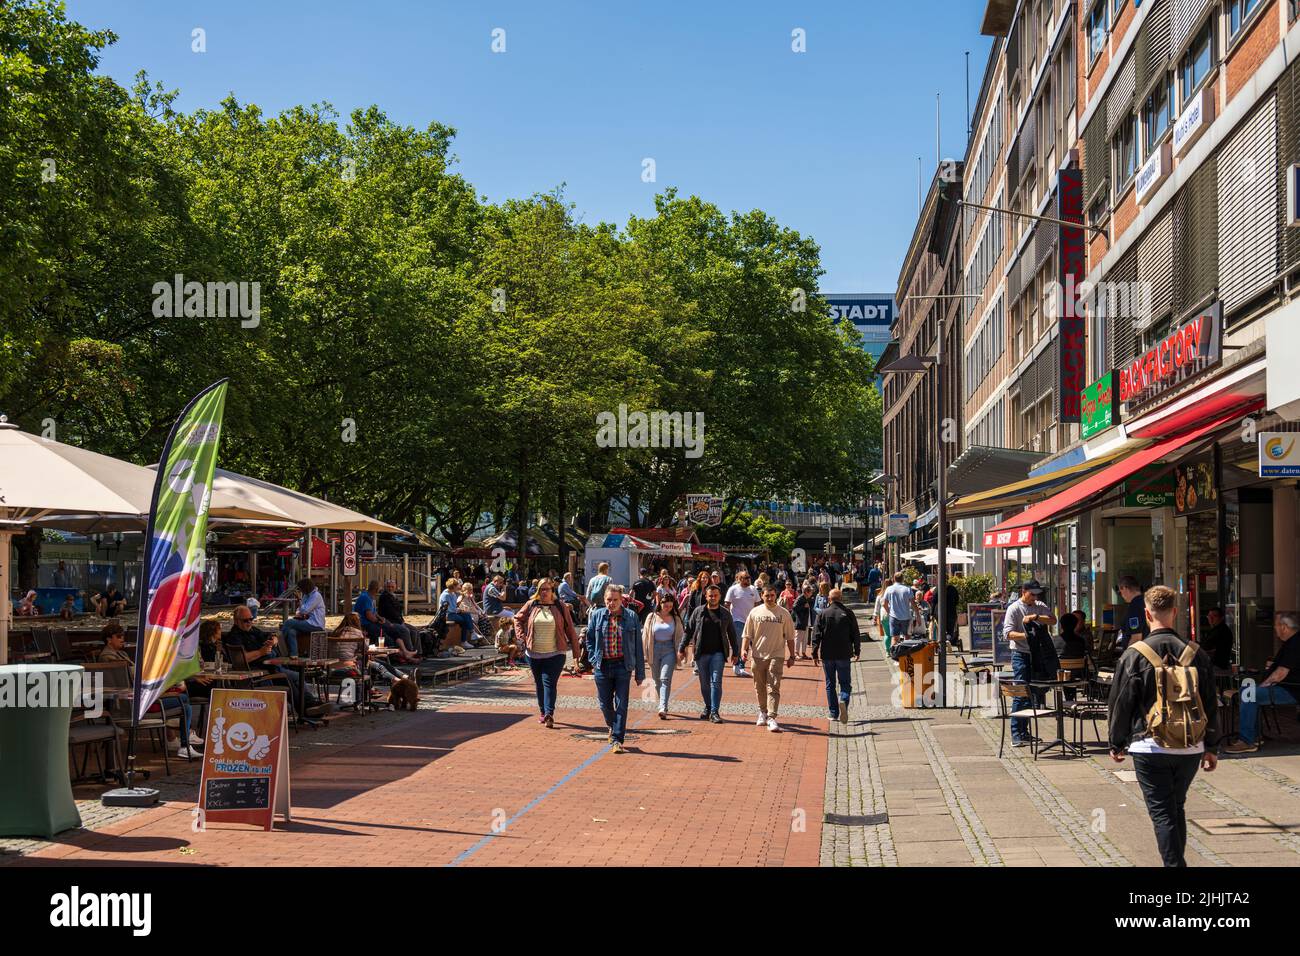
[(837, 642), (875, 578), (596, 586), (1164, 770), (709, 629), (613, 642), (741, 598), (768, 634), (900, 605), (1027, 609)]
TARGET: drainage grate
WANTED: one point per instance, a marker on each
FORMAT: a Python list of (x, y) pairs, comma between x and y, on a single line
[(848, 820)]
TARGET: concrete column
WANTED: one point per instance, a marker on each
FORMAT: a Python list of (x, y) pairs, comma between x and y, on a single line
[(1286, 587)]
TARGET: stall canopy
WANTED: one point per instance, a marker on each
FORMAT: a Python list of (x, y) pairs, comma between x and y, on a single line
[(930, 556), (1017, 532), (306, 510)]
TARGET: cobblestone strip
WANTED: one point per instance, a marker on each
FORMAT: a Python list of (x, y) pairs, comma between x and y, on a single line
[(1192, 841), (982, 849), (854, 788), (1216, 796), (1271, 775), (1093, 849)]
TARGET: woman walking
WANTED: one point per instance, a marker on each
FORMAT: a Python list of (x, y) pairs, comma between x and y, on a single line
[(662, 632), (804, 619), (545, 629)]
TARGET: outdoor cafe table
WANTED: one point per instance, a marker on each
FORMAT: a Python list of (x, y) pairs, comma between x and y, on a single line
[(302, 665), (35, 788), (1058, 688)]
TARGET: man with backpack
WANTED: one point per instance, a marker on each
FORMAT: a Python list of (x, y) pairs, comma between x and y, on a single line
[(1163, 712)]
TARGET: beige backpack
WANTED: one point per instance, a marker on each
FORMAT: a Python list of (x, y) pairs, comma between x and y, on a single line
[(1176, 719)]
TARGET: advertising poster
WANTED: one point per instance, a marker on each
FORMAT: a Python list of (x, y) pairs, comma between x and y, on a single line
[(246, 762)]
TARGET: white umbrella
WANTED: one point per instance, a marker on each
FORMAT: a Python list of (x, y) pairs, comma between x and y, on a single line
[(41, 478), (305, 510), (930, 556)]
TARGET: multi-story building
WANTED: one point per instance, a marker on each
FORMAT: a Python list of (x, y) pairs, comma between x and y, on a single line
[(1149, 348)]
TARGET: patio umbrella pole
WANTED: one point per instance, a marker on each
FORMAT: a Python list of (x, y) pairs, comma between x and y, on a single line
[(4, 597)]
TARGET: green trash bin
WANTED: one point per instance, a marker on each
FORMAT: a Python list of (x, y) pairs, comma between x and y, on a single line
[(35, 786)]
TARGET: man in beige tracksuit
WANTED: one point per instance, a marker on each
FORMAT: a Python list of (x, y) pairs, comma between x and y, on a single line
[(769, 637)]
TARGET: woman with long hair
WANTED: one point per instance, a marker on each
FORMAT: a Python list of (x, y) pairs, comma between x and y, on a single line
[(544, 627), (662, 632)]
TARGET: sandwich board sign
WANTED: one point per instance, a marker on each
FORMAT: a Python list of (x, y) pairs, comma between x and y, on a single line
[(246, 762)]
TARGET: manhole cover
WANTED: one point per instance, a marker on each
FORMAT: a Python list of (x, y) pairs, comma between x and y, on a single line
[(1236, 826), (848, 820)]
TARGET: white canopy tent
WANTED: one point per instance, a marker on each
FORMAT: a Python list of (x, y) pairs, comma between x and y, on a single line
[(930, 556)]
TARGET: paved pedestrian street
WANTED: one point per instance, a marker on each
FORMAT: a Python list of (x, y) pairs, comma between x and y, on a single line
[(472, 779)]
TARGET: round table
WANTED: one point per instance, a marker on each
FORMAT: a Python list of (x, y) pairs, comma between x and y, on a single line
[(35, 788)]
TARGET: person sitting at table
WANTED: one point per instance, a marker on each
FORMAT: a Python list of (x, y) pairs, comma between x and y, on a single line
[(310, 617), (175, 701), (1067, 641), (28, 607), (449, 602), (372, 622), (347, 648), (259, 645), (1217, 640), (69, 609), (390, 612), (110, 602), (199, 686), (1279, 685)]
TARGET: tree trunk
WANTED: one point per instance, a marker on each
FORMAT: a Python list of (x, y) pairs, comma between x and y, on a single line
[(521, 515), (28, 546), (562, 522)]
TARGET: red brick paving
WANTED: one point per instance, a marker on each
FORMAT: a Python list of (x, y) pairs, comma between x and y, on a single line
[(426, 791)]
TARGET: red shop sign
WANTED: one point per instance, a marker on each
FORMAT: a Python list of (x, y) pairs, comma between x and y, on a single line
[(1188, 350)]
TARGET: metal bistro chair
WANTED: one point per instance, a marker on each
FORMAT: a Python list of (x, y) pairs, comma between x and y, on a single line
[(155, 725), (63, 652), (972, 679), (1009, 692), (1084, 709), (239, 661), (101, 736)]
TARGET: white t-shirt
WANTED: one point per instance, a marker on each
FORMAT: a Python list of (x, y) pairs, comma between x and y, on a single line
[(742, 601), (1148, 745)]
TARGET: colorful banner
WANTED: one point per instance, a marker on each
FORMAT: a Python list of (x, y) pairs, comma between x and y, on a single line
[(168, 637)]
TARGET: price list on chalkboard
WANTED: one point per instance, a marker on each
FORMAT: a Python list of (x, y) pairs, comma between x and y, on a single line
[(986, 638), (237, 793)]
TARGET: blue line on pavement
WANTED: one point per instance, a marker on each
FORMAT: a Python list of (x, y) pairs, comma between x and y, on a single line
[(556, 786)]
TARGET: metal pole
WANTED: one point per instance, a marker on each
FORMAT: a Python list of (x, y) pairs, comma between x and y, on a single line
[(4, 597), (406, 581), (941, 596)]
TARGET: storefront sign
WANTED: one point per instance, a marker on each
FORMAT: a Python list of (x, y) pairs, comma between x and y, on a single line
[(246, 764), (1153, 172), (1186, 352), (1158, 494), (1012, 538), (986, 631), (1069, 208), (1194, 486), (1279, 455), (898, 526), (1194, 121), (704, 509), (1100, 411)]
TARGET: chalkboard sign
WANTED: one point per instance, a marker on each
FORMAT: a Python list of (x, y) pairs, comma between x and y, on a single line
[(986, 638), (246, 761), (237, 793)]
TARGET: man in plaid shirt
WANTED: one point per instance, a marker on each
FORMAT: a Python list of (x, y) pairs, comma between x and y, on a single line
[(616, 655)]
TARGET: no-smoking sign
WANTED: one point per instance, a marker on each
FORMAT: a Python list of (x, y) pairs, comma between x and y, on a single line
[(349, 553)]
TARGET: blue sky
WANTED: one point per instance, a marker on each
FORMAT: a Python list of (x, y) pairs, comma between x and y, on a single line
[(826, 140)]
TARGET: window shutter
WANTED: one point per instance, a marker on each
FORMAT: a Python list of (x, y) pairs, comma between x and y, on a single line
[(1155, 265), (1247, 206), (1288, 110), (1196, 238), (1122, 335), (1152, 50), (1096, 156), (1185, 16), (1119, 101)]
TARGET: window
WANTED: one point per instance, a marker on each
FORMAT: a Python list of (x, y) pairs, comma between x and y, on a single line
[(1119, 5), (1098, 23), (1239, 12), (1126, 154), (1197, 62), (1158, 113)]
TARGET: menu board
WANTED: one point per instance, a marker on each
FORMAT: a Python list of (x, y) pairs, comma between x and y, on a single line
[(246, 762), (1194, 486), (986, 638)]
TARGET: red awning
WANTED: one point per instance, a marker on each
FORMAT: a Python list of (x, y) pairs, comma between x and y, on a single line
[(706, 554), (1018, 532)]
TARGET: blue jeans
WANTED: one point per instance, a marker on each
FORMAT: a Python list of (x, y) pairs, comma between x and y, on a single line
[(665, 662), (466, 623), (1020, 673), (711, 666), (180, 703), (837, 670), (1274, 694), (738, 629), (289, 632), (546, 675), (612, 683)]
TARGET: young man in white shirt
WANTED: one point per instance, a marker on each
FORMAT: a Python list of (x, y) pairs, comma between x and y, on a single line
[(742, 597), (310, 617)]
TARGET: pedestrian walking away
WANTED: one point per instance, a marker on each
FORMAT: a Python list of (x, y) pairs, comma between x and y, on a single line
[(661, 634), (900, 605), (709, 630), (769, 637), (614, 649), (837, 642), (1163, 712), (544, 628)]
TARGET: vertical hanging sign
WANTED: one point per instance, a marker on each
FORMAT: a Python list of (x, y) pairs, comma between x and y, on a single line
[(1069, 198)]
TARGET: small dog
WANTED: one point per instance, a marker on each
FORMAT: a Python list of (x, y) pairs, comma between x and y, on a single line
[(404, 694)]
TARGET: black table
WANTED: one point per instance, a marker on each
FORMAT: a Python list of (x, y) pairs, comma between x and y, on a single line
[(1058, 691)]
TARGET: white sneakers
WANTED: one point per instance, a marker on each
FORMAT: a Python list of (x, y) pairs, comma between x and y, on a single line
[(189, 753), (762, 719), (195, 740), (773, 726)]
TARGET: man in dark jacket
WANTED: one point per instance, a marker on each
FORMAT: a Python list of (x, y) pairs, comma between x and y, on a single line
[(709, 629), (1164, 774), (837, 641)]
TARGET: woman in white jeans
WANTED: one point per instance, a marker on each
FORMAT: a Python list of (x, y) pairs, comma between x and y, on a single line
[(661, 635)]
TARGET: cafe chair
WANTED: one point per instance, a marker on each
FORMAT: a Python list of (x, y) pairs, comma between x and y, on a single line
[(154, 723), (239, 662), (100, 736), (62, 644), (1086, 708), (1008, 693), (972, 679)]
